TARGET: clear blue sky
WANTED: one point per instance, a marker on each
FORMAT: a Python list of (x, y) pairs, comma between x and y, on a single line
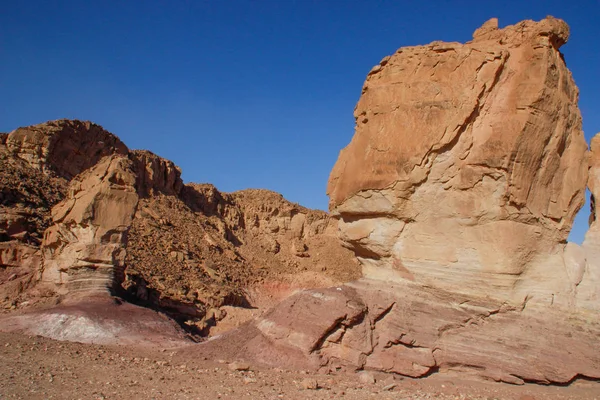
[(242, 93)]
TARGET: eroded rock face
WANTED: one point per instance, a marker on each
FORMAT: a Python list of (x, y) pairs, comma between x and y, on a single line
[(457, 194), (63, 147), (594, 180), (404, 328), (197, 254), (129, 226), (26, 198), (468, 164), (155, 174), (84, 250)]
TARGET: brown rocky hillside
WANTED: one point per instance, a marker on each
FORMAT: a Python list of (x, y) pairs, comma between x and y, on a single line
[(189, 250)]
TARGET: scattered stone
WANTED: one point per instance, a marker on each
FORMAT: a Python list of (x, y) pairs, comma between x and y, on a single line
[(366, 377), (238, 366), (389, 387), (309, 384)]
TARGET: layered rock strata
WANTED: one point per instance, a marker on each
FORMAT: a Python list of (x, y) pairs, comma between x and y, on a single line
[(84, 250), (411, 330)]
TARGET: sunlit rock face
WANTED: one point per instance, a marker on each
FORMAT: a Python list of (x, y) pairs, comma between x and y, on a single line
[(84, 250), (457, 194), (468, 165), (64, 147)]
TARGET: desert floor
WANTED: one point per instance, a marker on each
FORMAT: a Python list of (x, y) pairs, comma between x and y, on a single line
[(38, 368)]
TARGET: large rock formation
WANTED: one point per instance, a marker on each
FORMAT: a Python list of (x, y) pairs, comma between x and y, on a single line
[(116, 222), (468, 164), (457, 194), (84, 250), (204, 250), (63, 147)]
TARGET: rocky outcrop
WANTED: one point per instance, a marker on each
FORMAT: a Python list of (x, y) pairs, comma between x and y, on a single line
[(121, 222), (155, 174), (468, 165), (26, 198), (407, 329), (84, 250), (457, 194), (63, 147), (195, 254)]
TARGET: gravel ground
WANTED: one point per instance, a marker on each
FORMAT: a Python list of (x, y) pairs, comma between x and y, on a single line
[(39, 368)]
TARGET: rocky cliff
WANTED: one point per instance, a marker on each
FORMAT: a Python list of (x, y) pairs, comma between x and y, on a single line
[(83, 217), (457, 193)]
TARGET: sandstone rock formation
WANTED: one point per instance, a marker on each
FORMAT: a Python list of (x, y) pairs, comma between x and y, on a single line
[(468, 165), (84, 250), (26, 197), (116, 222), (155, 174), (194, 254), (413, 330), (457, 194), (63, 147)]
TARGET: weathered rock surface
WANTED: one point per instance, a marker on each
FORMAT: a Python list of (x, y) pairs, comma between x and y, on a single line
[(457, 194), (84, 250), (121, 222), (63, 147), (195, 254), (155, 174), (99, 319), (405, 328), (468, 165), (26, 197)]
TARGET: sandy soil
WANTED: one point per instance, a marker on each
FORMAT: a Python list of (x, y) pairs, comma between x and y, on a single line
[(38, 368)]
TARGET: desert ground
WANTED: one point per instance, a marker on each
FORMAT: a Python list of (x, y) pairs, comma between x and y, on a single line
[(33, 367)]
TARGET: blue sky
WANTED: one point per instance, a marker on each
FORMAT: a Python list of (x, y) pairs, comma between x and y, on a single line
[(242, 93)]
